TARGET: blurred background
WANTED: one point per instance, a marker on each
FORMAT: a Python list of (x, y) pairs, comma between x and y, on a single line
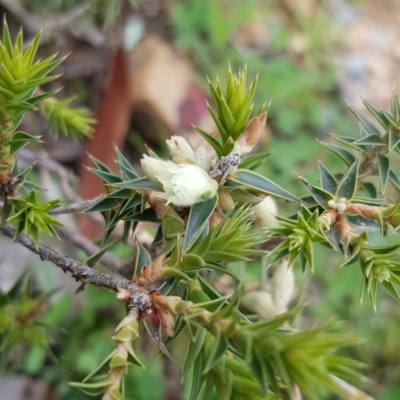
[(141, 67)]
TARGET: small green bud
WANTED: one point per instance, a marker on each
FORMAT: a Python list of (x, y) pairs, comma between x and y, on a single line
[(381, 271)]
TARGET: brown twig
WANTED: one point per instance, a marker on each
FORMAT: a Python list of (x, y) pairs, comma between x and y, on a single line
[(75, 207), (81, 272)]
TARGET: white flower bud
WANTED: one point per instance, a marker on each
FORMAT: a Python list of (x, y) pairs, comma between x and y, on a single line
[(225, 201), (185, 184), (281, 285), (249, 138), (180, 150), (260, 303), (341, 207), (331, 203), (265, 212), (151, 167), (205, 155)]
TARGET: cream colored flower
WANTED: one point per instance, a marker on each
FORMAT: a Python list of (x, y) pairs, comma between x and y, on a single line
[(151, 167), (265, 213), (180, 150), (182, 153), (281, 285), (183, 184), (259, 302), (205, 155)]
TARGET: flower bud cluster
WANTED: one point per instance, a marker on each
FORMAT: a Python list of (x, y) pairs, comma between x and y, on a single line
[(250, 136), (298, 239), (183, 184), (376, 266), (340, 206), (151, 272), (185, 180), (265, 212), (160, 308)]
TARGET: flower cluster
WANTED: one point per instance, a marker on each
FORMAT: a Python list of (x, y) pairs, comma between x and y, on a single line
[(187, 179), (183, 184)]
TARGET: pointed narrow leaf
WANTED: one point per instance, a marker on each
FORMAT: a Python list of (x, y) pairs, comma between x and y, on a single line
[(257, 367), (217, 121), (140, 184), (383, 166), (255, 161), (208, 289), (345, 155), (99, 165), (231, 307), (7, 37), (373, 140), (389, 118), (321, 196), (215, 266), (195, 347), (347, 140), (19, 140), (368, 125), (348, 184), (148, 215), (213, 305), (224, 384), (132, 357), (122, 193), (393, 140), (382, 249), (95, 258), (392, 290), (202, 243), (93, 388), (104, 204), (208, 390), (258, 182), (261, 329), (212, 141), (106, 177), (395, 105), (123, 162), (369, 189), (376, 113), (394, 179), (199, 215), (191, 262), (198, 378), (217, 353), (142, 257), (104, 363), (128, 205), (328, 181)]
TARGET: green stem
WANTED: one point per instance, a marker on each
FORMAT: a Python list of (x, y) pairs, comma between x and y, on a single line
[(264, 276), (242, 270)]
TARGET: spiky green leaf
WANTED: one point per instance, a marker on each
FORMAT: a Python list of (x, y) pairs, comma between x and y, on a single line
[(199, 215), (252, 180)]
